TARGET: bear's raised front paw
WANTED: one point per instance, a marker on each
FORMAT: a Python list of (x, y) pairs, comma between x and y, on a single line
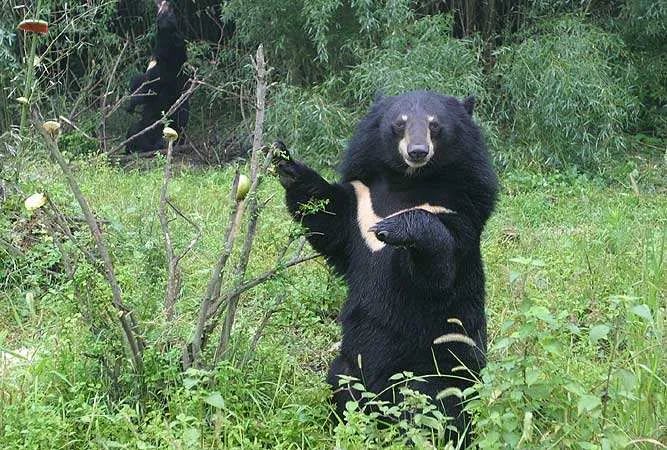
[(289, 172), (280, 152), (288, 169)]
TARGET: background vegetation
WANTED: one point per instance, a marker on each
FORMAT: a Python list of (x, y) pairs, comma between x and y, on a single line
[(572, 98)]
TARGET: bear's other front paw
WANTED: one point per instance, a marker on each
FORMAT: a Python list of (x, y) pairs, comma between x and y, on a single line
[(406, 229), (392, 231)]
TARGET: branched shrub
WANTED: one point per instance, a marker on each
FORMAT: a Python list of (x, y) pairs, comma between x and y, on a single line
[(562, 94)]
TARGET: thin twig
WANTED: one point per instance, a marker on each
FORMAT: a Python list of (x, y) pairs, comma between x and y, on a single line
[(106, 94), (191, 353), (260, 329), (265, 276), (73, 125), (11, 248), (173, 272), (128, 324), (174, 107), (194, 240)]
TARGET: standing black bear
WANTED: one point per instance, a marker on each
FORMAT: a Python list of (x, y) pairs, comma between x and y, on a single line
[(161, 85), (403, 227)]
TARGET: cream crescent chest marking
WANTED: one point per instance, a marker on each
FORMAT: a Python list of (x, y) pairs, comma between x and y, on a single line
[(366, 216)]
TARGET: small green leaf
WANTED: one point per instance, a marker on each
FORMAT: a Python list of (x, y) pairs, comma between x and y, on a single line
[(215, 399), (189, 383), (587, 403), (532, 375), (628, 379), (642, 311), (598, 332), (351, 406)]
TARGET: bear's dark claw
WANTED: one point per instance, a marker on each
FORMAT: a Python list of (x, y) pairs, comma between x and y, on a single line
[(280, 152), (382, 235)]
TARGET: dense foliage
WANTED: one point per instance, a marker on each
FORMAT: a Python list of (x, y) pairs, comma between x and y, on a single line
[(572, 97)]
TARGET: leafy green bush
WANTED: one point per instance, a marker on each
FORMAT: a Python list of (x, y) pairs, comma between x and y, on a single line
[(562, 94), (334, 31), (421, 56), (643, 24), (308, 121)]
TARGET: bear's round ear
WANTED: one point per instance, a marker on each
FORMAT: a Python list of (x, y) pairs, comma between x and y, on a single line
[(469, 104)]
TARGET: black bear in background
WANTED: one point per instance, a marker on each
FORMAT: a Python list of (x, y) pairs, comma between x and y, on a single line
[(161, 85), (403, 227)]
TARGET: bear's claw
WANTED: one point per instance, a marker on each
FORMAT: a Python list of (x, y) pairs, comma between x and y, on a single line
[(280, 152)]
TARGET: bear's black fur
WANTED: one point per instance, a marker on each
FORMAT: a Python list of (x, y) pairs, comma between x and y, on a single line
[(161, 85), (427, 266)]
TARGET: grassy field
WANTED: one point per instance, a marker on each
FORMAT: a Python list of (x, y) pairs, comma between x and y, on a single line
[(576, 303)]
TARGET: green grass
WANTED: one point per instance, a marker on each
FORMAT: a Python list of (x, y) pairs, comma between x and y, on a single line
[(576, 304)]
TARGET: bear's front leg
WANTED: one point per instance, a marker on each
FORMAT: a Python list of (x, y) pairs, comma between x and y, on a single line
[(425, 247), (323, 208), (416, 228)]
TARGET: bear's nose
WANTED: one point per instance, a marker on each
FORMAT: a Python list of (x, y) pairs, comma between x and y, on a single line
[(417, 152)]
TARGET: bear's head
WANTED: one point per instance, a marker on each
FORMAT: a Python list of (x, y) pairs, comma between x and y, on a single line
[(166, 16), (415, 134)]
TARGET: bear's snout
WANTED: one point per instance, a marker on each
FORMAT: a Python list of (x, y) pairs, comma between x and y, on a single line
[(417, 152)]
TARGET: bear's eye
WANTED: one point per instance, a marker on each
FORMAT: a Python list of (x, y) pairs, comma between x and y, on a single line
[(398, 127), (434, 127)]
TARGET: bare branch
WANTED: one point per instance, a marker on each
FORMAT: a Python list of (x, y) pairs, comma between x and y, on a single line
[(128, 324), (73, 125), (194, 240), (253, 207), (11, 248), (260, 98), (212, 292), (106, 94), (260, 329), (173, 272), (177, 104), (265, 276)]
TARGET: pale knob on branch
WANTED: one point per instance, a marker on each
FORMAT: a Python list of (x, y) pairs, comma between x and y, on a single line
[(169, 134), (243, 188), (35, 201), (52, 127)]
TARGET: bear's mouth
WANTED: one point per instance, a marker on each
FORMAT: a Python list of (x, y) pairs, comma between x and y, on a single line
[(416, 163)]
